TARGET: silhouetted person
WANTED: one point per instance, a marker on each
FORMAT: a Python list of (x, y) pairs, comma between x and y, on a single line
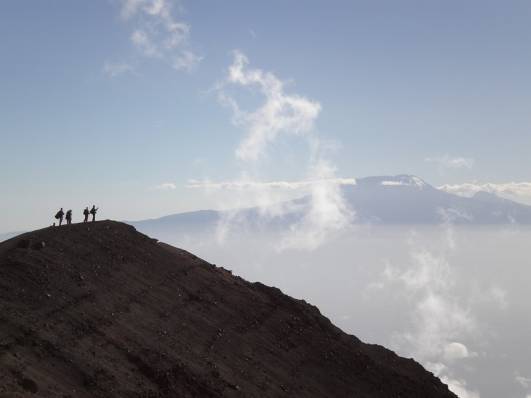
[(60, 214), (68, 217), (86, 214), (93, 212)]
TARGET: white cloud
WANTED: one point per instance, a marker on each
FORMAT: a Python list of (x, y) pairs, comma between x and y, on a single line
[(166, 186), (440, 321), (328, 213), (455, 350), (450, 162), (410, 181), (518, 191), (499, 296), (130, 7), (525, 382), (459, 387), (438, 317), (143, 42), (456, 385), (158, 33), (186, 61), (280, 113), (114, 69), (289, 185)]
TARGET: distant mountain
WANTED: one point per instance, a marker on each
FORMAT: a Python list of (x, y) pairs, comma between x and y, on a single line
[(101, 310), (406, 199), (385, 200)]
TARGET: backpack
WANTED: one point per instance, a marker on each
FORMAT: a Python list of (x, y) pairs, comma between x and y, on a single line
[(58, 216)]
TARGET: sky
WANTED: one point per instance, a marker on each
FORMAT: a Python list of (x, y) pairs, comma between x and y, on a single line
[(128, 103)]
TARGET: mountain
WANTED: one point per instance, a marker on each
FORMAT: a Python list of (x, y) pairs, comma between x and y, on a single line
[(386, 200), (101, 310), (406, 199), (8, 235)]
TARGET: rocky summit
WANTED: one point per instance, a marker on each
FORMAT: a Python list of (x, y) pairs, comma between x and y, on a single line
[(101, 310)]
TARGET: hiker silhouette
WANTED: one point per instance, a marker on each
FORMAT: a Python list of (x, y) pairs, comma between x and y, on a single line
[(59, 216), (93, 212), (86, 214), (68, 217)]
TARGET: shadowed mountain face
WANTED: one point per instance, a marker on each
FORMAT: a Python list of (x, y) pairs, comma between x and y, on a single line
[(102, 310)]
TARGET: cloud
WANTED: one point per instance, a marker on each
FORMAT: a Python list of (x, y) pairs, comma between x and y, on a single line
[(280, 113), (158, 33), (518, 191), (498, 296), (525, 382), (166, 186), (449, 162), (455, 350), (327, 214), (186, 61), (112, 69), (459, 387), (288, 185), (440, 320), (456, 385), (143, 42)]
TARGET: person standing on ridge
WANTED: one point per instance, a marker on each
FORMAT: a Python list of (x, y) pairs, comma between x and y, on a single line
[(86, 214), (93, 212), (59, 216), (68, 217)]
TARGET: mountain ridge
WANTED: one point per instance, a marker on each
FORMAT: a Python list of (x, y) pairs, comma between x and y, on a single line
[(378, 200), (101, 310)]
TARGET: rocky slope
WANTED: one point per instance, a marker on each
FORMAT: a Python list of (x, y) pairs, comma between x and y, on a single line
[(100, 310)]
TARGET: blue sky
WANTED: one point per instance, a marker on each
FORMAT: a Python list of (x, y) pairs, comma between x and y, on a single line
[(88, 117)]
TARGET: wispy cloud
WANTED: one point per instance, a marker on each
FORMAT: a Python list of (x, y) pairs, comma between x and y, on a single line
[(290, 185), (328, 213), (525, 382), (158, 33), (440, 321), (459, 387), (519, 191), (114, 69), (447, 162), (281, 114), (186, 61), (166, 186)]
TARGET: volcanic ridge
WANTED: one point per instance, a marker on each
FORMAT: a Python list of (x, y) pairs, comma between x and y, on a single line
[(101, 310)]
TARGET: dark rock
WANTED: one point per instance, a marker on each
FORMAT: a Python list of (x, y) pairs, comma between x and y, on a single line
[(104, 312)]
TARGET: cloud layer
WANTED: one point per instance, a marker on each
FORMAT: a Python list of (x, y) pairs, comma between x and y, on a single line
[(290, 185), (440, 322), (518, 191)]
